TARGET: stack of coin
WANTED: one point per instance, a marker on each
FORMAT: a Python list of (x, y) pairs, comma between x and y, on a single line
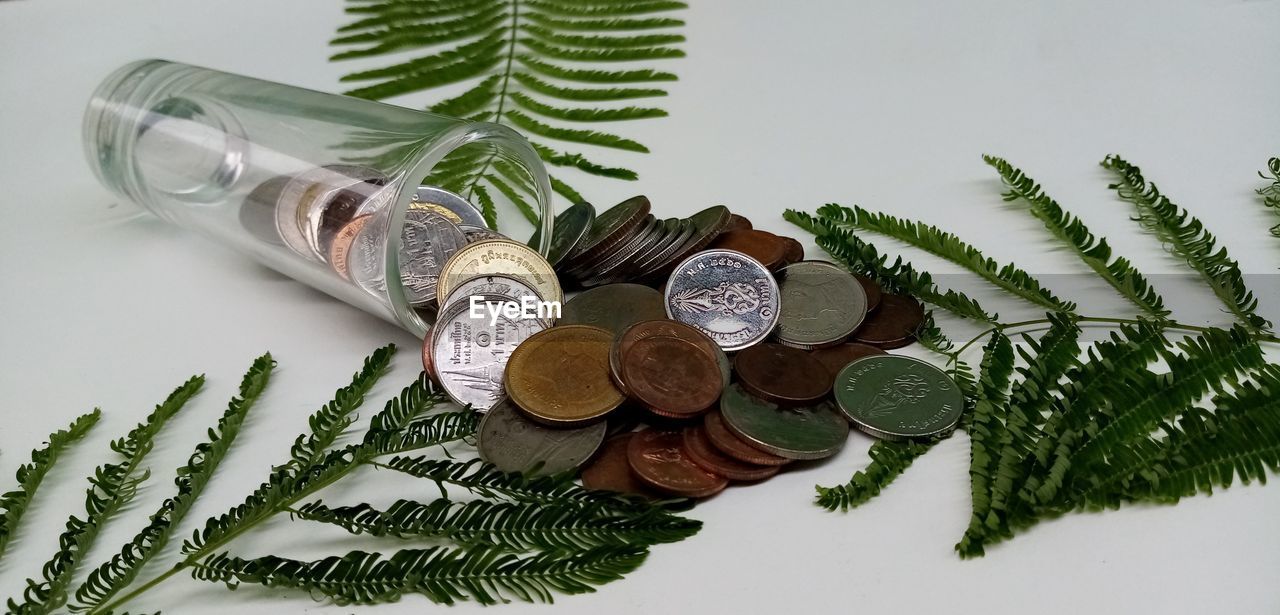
[(324, 215)]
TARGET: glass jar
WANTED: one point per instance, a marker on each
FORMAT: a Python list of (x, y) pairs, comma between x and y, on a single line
[(307, 183)]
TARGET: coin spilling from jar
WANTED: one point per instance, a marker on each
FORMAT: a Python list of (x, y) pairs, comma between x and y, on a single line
[(712, 351)]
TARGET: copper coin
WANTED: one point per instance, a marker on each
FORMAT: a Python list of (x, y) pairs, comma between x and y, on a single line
[(730, 444), (794, 251), (894, 325), (668, 328), (873, 292), (836, 357), (671, 376), (560, 376), (609, 469), (700, 451), (782, 375), (340, 245), (738, 223), (611, 227), (658, 459), (763, 246)]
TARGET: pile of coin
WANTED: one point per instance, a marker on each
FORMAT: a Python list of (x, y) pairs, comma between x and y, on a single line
[(747, 359)]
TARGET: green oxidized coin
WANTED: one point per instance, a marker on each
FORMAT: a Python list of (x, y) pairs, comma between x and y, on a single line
[(795, 433), (895, 397)]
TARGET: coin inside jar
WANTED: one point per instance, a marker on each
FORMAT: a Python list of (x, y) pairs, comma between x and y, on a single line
[(513, 443), (727, 295), (822, 305), (811, 432), (427, 241), (340, 246), (782, 375), (560, 376), (700, 451), (614, 307), (658, 459), (895, 397), (894, 324)]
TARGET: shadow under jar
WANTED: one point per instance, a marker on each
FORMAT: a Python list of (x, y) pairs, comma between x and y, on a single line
[(307, 183)]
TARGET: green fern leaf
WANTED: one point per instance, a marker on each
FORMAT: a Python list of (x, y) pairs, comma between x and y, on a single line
[(888, 461), (1092, 250), (117, 573), (986, 433), (333, 418), (862, 258), (111, 487), (511, 525), (518, 57), (1187, 238), (484, 480), (444, 575), (1271, 194), (30, 475), (948, 246)]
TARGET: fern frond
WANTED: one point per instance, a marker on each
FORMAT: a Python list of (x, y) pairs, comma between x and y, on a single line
[(1186, 237), (333, 418), (30, 475), (512, 525), (1271, 194), (986, 431), (862, 257), (888, 461), (1070, 230), (518, 57), (486, 574), (482, 479), (118, 572), (948, 246), (111, 487)]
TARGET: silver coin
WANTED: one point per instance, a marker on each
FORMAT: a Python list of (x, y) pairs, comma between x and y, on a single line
[(672, 242), (822, 305), (503, 285), (338, 191), (624, 249), (727, 295), (513, 443), (427, 241), (477, 233), (469, 353), (621, 262), (445, 203), (295, 198), (365, 258), (570, 227), (707, 225)]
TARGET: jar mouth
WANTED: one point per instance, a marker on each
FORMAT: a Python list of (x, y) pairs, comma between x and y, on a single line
[(509, 146)]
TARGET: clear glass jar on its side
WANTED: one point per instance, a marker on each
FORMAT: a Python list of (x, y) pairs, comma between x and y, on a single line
[(237, 159)]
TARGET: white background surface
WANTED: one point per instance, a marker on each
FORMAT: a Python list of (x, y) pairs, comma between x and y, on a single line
[(779, 105)]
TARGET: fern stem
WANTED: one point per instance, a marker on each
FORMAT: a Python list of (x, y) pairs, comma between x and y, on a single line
[(1114, 322), (502, 95)]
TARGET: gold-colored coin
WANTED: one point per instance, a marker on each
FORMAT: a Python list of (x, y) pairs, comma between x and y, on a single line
[(560, 376), (499, 257), (439, 209)]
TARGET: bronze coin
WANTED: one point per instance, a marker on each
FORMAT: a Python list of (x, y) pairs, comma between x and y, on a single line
[(730, 444), (872, 289), (560, 376), (782, 375), (340, 245), (738, 223), (894, 325), (428, 365), (609, 469), (654, 327), (794, 251), (671, 376), (702, 452), (658, 460), (836, 357), (763, 246)]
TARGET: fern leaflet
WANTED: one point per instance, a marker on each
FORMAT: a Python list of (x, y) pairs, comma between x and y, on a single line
[(1271, 193)]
